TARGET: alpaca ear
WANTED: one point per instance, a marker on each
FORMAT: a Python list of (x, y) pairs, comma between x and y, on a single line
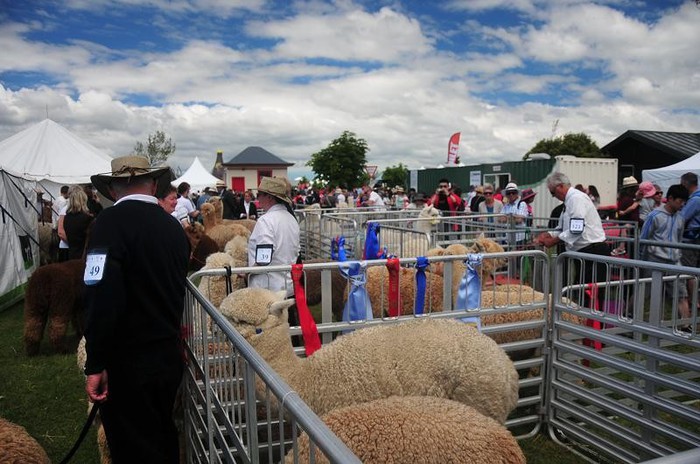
[(278, 307), (481, 236)]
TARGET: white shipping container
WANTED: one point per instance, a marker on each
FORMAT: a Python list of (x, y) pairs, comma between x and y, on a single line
[(601, 172)]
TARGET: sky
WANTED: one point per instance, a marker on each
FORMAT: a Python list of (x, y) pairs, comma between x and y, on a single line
[(292, 76)]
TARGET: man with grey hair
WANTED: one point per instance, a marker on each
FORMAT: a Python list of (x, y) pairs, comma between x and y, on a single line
[(580, 228)]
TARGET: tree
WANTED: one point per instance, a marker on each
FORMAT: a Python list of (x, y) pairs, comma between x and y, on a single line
[(395, 175), (157, 150), (578, 144), (342, 162)]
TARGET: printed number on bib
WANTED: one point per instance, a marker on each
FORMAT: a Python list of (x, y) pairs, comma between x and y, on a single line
[(95, 267), (576, 225), (263, 255)]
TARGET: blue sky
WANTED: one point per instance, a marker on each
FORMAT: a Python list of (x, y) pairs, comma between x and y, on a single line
[(403, 75)]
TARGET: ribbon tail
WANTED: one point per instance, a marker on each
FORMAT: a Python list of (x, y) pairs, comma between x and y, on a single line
[(309, 331)]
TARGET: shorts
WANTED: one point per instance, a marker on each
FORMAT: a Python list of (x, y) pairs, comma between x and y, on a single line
[(669, 285)]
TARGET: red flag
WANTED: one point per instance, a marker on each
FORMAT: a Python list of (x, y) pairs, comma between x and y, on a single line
[(453, 148)]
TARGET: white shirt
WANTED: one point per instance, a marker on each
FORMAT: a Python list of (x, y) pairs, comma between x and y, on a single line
[(374, 197), (280, 229), (340, 198), (62, 212), (58, 204), (516, 208), (186, 204), (578, 206)]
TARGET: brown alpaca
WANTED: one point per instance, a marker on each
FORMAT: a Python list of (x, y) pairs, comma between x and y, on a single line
[(54, 295), (201, 245)]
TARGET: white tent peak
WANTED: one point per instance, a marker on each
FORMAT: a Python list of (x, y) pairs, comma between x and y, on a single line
[(666, 176), (197, 176), (48, 151)]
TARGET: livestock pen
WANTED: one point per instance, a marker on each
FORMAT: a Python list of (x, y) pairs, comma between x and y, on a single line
[(617, 385)]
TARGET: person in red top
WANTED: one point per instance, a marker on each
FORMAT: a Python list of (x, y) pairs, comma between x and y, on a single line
[(447, 202)]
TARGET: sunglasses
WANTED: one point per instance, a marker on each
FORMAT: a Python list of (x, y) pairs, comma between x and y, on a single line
[(659, 193), (488, 193), (511, 193)]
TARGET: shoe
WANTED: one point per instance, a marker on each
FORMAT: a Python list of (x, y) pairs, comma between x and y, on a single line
[(686, 330)]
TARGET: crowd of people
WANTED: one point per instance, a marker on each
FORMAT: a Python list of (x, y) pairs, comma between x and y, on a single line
[(136, 259)]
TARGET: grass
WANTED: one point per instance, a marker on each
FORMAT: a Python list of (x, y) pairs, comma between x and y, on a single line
[(46, 395)]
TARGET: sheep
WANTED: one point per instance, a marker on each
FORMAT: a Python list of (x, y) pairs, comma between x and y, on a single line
[(417, 429), (221, 233), (54, 295), (17, 446), (201, 245), (422, 357)]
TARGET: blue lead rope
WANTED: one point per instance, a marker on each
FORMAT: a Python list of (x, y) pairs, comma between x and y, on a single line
[(469, 293), (372, 250), (422, 263)]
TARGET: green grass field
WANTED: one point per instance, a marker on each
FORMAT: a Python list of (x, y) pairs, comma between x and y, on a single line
[(45, 394)]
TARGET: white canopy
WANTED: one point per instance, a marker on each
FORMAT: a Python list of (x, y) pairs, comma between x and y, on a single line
[(669, 175), (197, 176), (48, 151)]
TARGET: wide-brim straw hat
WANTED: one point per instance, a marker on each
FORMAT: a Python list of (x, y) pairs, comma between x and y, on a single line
[(629, 182), (126, 167), (277, 187)]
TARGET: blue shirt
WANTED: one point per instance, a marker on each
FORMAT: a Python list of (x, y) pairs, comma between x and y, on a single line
[(691, 216)]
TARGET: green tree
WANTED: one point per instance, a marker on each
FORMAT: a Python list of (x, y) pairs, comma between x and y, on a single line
[(574, 144), (395, 175), (157, 150), (342, 162)]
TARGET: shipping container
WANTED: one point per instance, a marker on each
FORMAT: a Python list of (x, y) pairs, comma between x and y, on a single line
[(601, 172)]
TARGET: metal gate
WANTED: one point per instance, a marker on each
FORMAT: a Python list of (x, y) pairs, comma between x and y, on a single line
[(624, 380)]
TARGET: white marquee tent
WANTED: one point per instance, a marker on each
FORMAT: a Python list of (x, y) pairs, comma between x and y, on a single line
[(40, 158), (669, 175), (197, 176)]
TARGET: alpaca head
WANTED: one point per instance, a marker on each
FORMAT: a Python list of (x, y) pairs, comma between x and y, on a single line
[(218, 205), (207, 209), (485, 245), (430, 212), (237, 248), (194, 233), (252, 310)]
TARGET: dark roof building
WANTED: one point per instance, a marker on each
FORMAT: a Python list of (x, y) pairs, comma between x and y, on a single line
[(638, 150), (256, 156)]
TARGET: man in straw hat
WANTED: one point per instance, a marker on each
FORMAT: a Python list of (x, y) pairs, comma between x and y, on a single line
[(275, 238), (135, 274)]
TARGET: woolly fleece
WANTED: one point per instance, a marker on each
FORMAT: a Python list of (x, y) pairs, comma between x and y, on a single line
[(423, 357), (18, 447), (416, 430)]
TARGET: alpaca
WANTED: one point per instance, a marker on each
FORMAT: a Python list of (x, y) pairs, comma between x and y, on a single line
[(219, 208), (221, 233), (201, 245), (422, 357), (417, 429), (17, 446), (54, 295)]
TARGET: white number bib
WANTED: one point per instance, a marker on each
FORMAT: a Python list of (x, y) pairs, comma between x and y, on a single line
[(576, 225), (94, 267), (263, 255)]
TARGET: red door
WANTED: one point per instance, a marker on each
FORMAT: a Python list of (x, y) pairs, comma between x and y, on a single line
[(238, 184)]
